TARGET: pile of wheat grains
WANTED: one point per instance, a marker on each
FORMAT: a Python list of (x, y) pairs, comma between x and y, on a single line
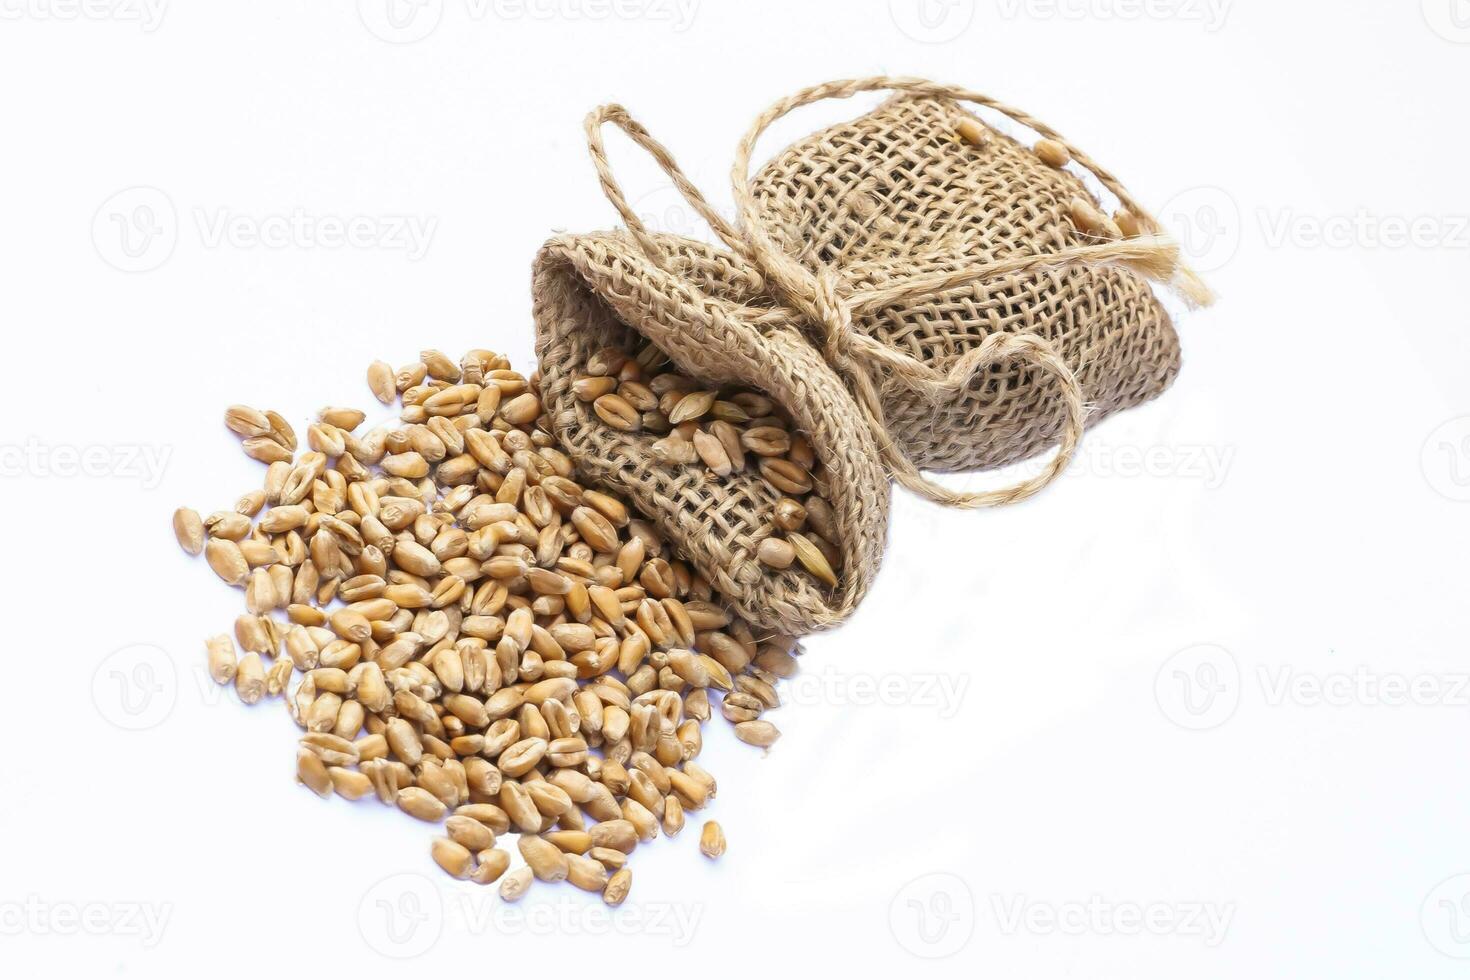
[(465, 632)]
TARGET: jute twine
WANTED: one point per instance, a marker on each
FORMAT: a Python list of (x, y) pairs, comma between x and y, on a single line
[(908, 297)]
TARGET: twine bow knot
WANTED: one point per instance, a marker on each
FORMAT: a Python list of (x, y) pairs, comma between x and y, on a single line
[(819, 298)]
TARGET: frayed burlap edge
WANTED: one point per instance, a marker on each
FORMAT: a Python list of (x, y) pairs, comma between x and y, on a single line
[(593, 291)]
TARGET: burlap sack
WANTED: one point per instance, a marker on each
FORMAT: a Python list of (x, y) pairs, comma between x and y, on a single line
[(596, 291), (893, 196), (947, 280), (914, 299)]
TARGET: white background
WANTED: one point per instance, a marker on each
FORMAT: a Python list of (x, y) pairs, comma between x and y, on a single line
[(1173, 680)]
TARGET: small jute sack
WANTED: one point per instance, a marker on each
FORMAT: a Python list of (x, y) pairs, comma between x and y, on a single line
[(918, 290), (593, 292)]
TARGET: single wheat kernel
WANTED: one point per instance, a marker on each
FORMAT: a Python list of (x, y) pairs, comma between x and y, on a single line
[(711, 840), (515, 885), (1052, 153), (617, 887), (189, 529), (758, 733)]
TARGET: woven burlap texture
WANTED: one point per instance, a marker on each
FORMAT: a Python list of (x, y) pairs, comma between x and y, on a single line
[(892, 196), (606, 290), (915, 301)]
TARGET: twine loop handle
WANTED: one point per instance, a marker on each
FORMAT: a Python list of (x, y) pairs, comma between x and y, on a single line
[(818, 297)]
